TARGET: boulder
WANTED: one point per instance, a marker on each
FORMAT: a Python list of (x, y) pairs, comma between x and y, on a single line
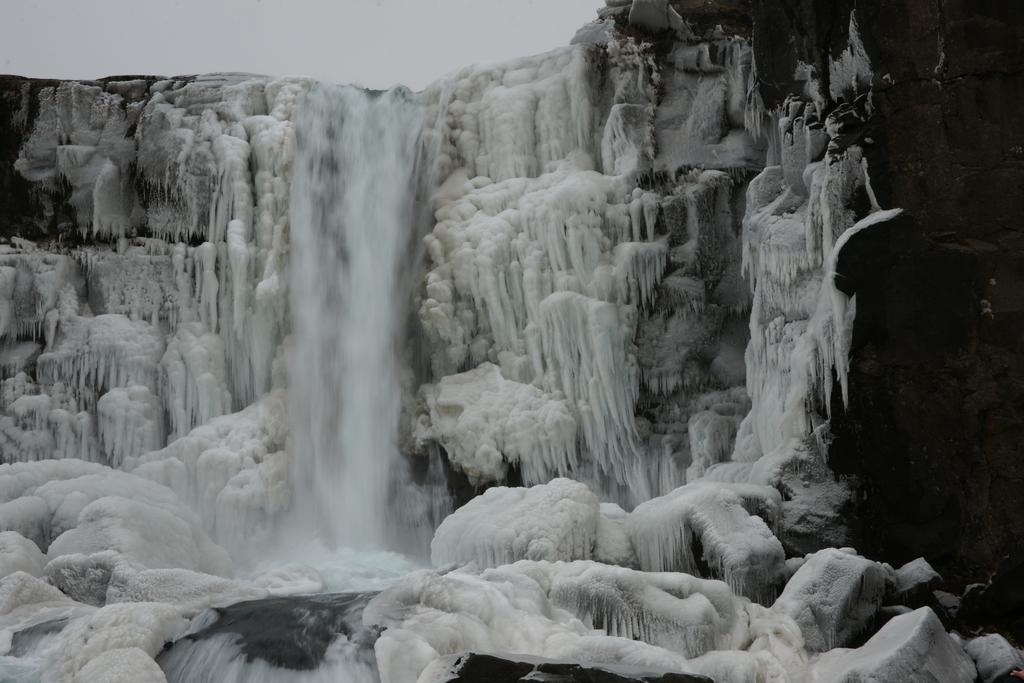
[(481, 668), (833, 597), (910, 648)]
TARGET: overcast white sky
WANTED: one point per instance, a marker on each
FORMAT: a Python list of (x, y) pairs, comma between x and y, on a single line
[(376, 43)]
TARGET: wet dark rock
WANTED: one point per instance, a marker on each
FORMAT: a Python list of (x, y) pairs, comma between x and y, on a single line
[(286, 632), (481, 668), (936, 414)]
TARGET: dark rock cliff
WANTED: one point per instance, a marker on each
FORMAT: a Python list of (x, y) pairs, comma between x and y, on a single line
[(935, 425)]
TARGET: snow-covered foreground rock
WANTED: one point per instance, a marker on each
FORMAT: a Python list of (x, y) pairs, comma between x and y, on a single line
[(911, 647), (581, 611)]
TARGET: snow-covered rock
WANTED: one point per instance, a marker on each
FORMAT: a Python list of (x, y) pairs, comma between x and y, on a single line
[(232, 470), (912, 647), (98, 645), (613, 545), (549, 610), (554, 521), (833, 597), (87, 508), (189, 590), (915, 579), (18, 554), (486, 423), (652, 15), (714, 526), (994, 657), (122, 665), (20, 589), (84, 578)]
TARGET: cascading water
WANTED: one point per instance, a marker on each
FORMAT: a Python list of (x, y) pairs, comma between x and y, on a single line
[(353, 220)]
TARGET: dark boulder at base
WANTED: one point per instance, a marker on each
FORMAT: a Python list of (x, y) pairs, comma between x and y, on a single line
[(480, 668), (290, 633)]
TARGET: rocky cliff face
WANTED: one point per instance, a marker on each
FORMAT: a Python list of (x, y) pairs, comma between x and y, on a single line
[(936, 374), (935, 419)]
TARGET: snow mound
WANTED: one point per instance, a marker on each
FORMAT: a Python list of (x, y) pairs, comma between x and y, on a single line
[(95, 646), (554, 521), (84, 578), (188, 590), (233, 471), (613, 545), (486, 423), (74, 507), (994, 657), (18, 554), (833, 597), (20, 589), (916, 578), (715, 527), (911, 647), (108, 577), (550, 610), (148, 535), (122, 665)]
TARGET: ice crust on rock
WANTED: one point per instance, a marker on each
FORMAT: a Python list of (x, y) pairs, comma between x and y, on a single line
[(538, 258), (233, 470), (194, 314), (833, 597), (715, 530), (552, 264), (994, 657), (486, 423), (121, 665), (554, 521), (721, 526), (910, 647), (19, 554), (549, 610), (95, 647), (915, 578), (69, 506)]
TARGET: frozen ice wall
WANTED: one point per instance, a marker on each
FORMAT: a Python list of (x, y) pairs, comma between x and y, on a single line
[(353, 227), (147, 343), (622, 291), (583, 301), (605, 241)]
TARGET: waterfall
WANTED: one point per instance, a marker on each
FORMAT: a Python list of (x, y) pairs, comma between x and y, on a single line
[(353, 227)]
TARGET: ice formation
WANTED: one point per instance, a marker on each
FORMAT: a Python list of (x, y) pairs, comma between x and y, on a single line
[(537, 262), (833, 597), (19, 554), (554, 521), (295, 309), (912, 647), (557, 265), (662, 621), (723, 527), (994, 657), (487, 423)]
